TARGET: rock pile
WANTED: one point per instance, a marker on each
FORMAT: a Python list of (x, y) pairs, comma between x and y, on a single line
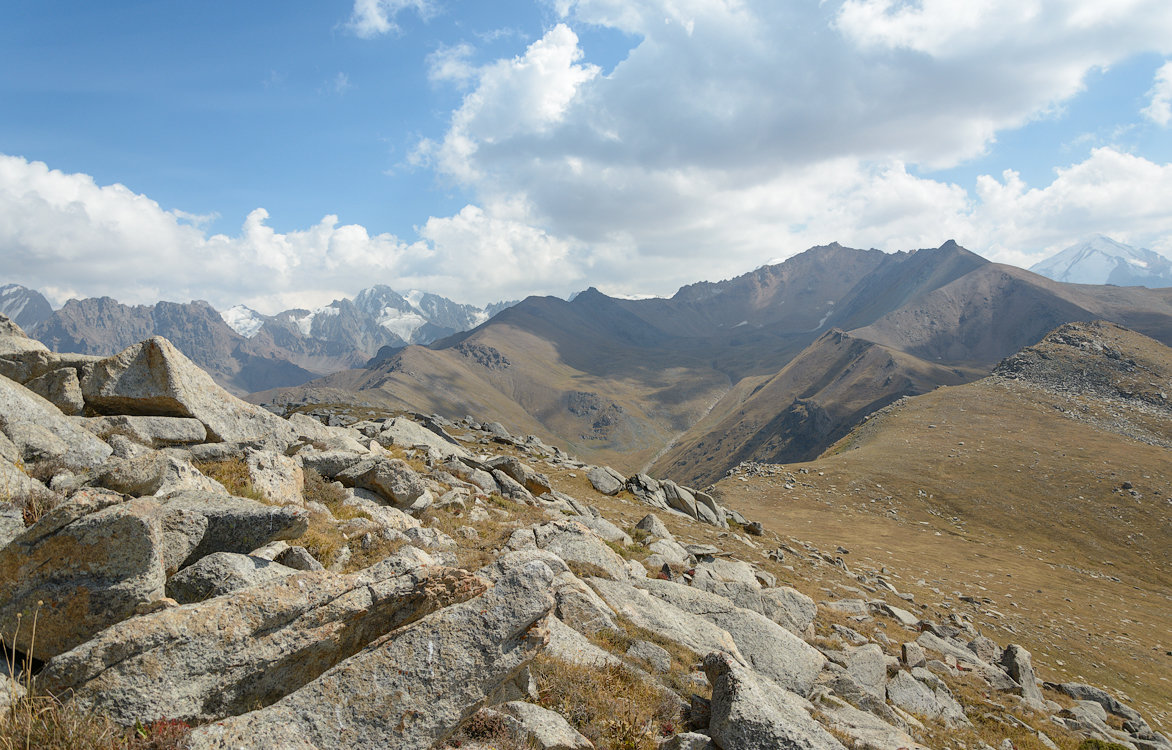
[(404, 581)]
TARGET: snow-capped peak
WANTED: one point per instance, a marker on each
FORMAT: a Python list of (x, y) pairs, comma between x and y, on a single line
[(244, 320), (1102, 260)]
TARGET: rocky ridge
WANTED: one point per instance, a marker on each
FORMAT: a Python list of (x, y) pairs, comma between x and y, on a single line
[(409, 581)]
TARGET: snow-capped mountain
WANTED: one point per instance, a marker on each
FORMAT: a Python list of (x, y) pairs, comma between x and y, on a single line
[(244, 320), (25, 306), (1102, 260)]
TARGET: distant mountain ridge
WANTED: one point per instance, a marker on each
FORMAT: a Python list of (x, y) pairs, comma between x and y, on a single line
[(773, 365), (1101, 260), (244, 350)]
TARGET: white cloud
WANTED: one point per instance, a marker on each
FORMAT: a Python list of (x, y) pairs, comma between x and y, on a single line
[(1159, 110), (371, 18)]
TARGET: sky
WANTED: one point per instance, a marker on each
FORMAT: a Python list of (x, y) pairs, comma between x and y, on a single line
[(284, 154)]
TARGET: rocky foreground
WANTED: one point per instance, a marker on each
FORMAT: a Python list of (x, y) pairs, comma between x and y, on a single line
[(170, 553)]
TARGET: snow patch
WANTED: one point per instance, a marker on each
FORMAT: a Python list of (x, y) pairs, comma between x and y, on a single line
[(244, 320), (400, 322)]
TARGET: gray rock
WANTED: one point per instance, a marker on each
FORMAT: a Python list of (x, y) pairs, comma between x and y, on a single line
[(11, 519), (250, 647), (1082, 692), (1017, 663), (650, 612), (708, 511), (151, 473), (39, 430), (512, 489), (331, 463), (712, 573), (688, 741), (656, 656), (580, 607), (235, 524), (571, 646), (429, 538), (572, 542), (902, 616), (277, 477), (429, 676), (298, 558), (654, 527), (221, 573), (868, 730), (544, 729), (152, 432), (61, 388), (406, 433), (522, 473), (670, 550), (648, 491), (912, 655), (392, 479), (14, 483), (606, 480), (605, 529), (679, 498), (985, 648), (153, 378), (770, 649), (907, 693), (868, 666), (91, 561), (749, 713)]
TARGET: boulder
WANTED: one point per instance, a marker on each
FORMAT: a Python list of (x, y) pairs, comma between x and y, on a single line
[(331, 463), (647, 491), (670, 550), (867, 665), (298, 558), (708, 511), (866, 729), (522, 473), (605, 480), (748, 713), (61, 388), (153, 378), (152, 432), (656, 656), (14, 483), (11, 519), (679, 498), (572, 542), (221, 573), (277, 477), (82, 567), (392, 479), (39, 430), (413, 688), (606, 530), (543, 729), (579, 607), (406, 433), (654, 527), (688, 741), (511, 488), (647, 611), (21, 358), (151, 473), (711, 573), (1016, 661), (768, 648), (234, 524), (224, 656)]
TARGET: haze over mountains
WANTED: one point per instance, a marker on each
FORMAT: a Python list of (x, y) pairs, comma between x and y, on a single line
[(774, 365), (244, 350)]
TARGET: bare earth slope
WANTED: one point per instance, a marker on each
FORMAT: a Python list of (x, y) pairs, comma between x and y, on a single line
[(1043, 491)]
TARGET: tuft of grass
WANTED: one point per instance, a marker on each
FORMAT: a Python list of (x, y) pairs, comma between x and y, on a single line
[(34, 504), (233, 474), (609, 704), (316, 488), (488, 728), (683, 659)]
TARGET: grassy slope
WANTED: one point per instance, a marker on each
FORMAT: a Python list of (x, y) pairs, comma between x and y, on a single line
[(1005, 490)]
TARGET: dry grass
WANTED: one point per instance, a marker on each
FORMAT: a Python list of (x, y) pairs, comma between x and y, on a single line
[(993, 492), (491, 729), (611, 705), (233, 474), (42, 721), (683, 660), (491, 533)]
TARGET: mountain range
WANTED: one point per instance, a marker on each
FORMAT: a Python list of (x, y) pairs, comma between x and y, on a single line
[(774, 365), (244, 350), (1102, 260)]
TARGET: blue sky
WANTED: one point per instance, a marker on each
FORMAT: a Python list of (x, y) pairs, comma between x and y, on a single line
[(282, 154)]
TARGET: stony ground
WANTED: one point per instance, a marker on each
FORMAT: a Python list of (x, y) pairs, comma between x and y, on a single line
[(171, 556)]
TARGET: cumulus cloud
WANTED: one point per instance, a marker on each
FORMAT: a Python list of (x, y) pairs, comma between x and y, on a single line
[(1159, 110), (371, 18)]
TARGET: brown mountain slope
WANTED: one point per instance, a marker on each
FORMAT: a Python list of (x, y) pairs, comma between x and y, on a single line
[(1050, 481), (638, 381), (815, 399)]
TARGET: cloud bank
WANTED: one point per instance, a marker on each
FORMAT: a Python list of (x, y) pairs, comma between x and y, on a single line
[(733, 132)]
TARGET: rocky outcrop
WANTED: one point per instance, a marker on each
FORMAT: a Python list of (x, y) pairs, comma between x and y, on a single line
[(226, 655), (412, 689), (749, 713), (154, 378), (40, 431)]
